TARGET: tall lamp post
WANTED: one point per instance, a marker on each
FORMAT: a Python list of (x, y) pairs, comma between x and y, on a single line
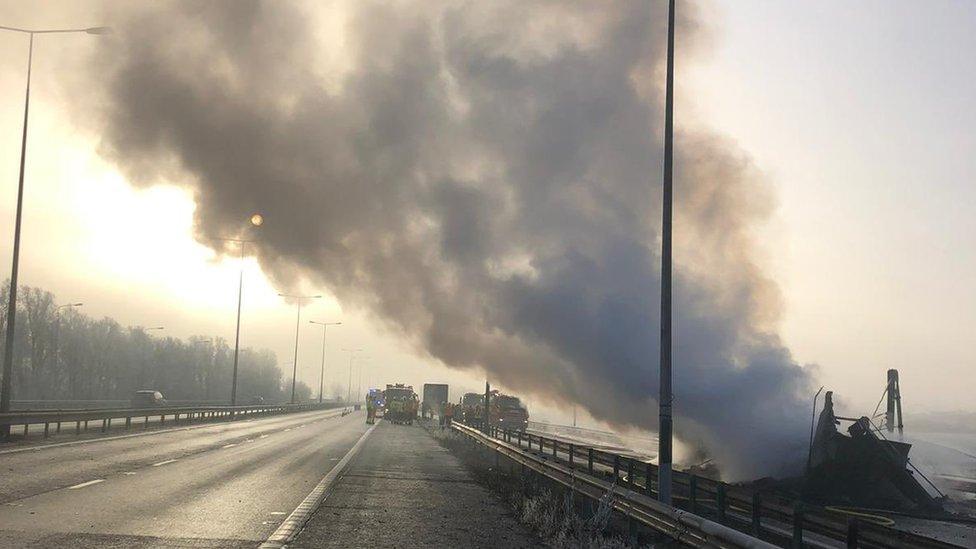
[(298, 319), (665, 398), (352, 353), (325, 328), (256, 220), (8, 350), (359, 386), (237, 330)]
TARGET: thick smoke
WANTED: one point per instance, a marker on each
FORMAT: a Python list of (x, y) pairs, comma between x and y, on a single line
[(483, 177)]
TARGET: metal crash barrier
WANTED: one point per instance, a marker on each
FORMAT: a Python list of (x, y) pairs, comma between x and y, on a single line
[(737, 516), (685, 527), (177, 414)]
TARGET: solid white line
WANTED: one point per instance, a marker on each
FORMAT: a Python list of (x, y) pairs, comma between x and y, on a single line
[(263, 436), (290, 527), (228, 445), (163, 462), (83, 484)]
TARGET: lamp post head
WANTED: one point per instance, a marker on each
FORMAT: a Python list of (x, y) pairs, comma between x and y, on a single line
[(99, 30)]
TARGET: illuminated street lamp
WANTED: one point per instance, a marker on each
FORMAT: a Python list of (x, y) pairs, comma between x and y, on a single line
[(256, 220), (298, 319), (325, 328), (8, 351)]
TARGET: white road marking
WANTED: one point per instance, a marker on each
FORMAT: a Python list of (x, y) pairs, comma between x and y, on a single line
[(278, 513), (249, 440), (163, 462), (83, 484), (263, 436), (228, 445), (129, 473), (288, 429), (290, 527)]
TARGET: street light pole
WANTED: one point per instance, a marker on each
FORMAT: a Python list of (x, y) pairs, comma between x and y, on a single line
[(8, 350), (325, 328), (256, 220), (665, 398), (359, 385), (352, 353), (298, 318)]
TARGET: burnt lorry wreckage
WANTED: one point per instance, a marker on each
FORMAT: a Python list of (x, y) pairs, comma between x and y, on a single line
[(863, 467)]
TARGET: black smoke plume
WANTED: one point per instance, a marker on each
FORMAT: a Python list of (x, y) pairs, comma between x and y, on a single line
[(482, 177)]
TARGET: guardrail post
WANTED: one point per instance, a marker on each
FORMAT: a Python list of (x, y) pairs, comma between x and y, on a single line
[(554, 446), (26, 426), (86, 425), (128, 422), (572, 450), (78, 427), (589, 460), (693, 493), (616, 468), (520, 439), (46, 426), (756, 514), (106, 423), (798, 525), (162, 419), (852, 526), (57, 429), (145, 424), (630, 472), (720, 501)]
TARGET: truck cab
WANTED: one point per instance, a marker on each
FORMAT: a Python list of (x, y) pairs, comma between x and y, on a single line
[(508, 412)]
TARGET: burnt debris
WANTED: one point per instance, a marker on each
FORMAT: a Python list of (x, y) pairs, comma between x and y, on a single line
[(862, 468)]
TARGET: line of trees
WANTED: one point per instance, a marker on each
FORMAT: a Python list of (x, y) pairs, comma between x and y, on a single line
[(63, 354)]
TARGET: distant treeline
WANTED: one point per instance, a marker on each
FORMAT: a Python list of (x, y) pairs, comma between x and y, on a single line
[(63, 354)]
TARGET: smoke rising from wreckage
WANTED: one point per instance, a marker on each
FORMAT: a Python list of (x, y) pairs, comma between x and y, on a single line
[(485, 187)]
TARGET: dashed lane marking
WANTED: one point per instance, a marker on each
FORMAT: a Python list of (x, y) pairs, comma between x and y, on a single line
[(228, 445), (163, 462), (83, 484)]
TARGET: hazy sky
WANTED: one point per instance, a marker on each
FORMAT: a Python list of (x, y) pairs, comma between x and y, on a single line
[(860, 115)]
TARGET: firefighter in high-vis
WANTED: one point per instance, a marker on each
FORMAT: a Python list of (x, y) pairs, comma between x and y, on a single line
[(370, 410)]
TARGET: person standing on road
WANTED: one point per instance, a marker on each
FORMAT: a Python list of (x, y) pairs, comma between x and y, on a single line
[(447, 415), (370, 410)]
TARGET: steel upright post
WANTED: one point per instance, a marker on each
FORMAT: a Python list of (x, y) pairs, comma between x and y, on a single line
[(665, 399)]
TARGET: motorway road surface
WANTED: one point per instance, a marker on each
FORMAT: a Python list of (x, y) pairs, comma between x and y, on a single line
[(217, 485)]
